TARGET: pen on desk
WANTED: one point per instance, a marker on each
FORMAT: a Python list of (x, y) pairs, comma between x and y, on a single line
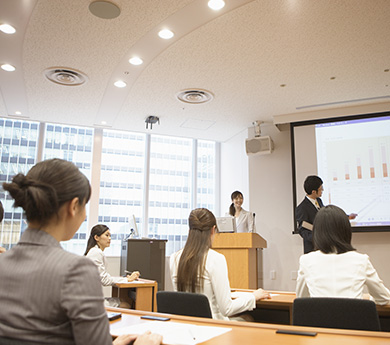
[(191, 334)]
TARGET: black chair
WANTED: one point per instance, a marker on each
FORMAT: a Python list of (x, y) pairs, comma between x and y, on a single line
[(344, 313), (183, 303)]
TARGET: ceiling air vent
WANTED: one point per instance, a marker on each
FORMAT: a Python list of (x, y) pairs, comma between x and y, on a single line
[(195, 96), (65, 76)]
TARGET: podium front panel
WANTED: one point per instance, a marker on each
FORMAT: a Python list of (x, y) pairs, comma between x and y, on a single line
[(146, 256)]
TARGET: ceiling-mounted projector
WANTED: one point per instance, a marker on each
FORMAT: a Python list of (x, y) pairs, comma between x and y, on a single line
[(259, 145)]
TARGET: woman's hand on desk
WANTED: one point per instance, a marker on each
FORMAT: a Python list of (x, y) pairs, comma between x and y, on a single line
[(261, 294), (147, 338), (135, 275)]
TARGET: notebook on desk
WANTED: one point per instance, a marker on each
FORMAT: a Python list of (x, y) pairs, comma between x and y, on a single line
[(226, 224)]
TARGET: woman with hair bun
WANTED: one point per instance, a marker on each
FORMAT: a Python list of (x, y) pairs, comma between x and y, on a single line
[(48, 295), (199, 269), (244, 219)]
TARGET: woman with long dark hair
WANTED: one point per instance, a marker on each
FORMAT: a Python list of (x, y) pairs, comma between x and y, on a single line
[(197, 268), (99, 240), (48, 295), (335, 269), (244, 219)]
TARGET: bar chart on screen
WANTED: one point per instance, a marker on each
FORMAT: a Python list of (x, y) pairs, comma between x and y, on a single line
[(354, 165)]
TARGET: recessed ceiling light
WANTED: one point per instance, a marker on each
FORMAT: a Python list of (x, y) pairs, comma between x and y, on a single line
[(7, 67), (216, 4), (18, 113), (7, 29), (136, 61), (120, 83), (103, 123), (166, 34)]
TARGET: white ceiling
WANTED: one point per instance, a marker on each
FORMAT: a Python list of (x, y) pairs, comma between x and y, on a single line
[(242, 54)]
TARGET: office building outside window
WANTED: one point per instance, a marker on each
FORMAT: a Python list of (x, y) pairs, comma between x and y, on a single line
[(181, 176), (121, 185), (170, 190), (18, 145), (205, 183), (73, 144)]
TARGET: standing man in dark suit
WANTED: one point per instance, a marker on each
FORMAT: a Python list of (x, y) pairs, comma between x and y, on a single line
[(307, 210)]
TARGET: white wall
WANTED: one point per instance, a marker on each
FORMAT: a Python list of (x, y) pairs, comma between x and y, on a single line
[(234, 172), (271, 200)]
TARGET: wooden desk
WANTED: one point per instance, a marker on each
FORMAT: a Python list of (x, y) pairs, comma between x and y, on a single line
[(257, 333), (146, 291), (283, 302)]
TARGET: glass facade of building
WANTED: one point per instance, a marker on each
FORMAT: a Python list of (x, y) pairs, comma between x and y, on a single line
[(18, 145), (75, 145), (173, 174)]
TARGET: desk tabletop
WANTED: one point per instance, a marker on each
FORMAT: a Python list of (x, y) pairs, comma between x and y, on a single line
[(258, 333), (286, 298), (137, 283)]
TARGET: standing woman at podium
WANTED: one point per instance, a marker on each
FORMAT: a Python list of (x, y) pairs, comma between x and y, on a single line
[(199, 269), (244, 219)]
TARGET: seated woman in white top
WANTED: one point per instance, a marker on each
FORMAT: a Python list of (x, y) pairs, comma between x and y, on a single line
[(335, 269), (100, 239), (244, 219), (199, 269)]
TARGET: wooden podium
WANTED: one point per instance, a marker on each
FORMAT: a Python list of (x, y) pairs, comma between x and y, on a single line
[(240, 251)]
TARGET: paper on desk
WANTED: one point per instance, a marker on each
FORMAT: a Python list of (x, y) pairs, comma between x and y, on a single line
[(174, 332)]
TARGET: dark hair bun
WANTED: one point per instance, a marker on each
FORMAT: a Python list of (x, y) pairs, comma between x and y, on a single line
[(37, 199)]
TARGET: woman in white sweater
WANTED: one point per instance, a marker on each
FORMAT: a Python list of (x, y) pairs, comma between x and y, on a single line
[(199, 269), (335, 269), (100, 239)]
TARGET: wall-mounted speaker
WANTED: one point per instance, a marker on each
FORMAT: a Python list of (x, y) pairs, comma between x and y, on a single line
[(259, 145)]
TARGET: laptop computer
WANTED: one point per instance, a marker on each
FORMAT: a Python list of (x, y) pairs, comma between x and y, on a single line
[(226, 224)]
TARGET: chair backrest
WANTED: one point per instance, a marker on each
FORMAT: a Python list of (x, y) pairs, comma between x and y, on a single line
[(344, 313), (183, 303)]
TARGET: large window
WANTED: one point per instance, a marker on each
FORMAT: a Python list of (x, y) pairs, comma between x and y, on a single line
[(170, 189), (121, 184), (205, 182), (18, 145), (73, 144), (152, 179)]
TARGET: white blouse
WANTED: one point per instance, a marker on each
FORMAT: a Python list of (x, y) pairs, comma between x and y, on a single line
[(339, 275), (98, 257), (216, 286)]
